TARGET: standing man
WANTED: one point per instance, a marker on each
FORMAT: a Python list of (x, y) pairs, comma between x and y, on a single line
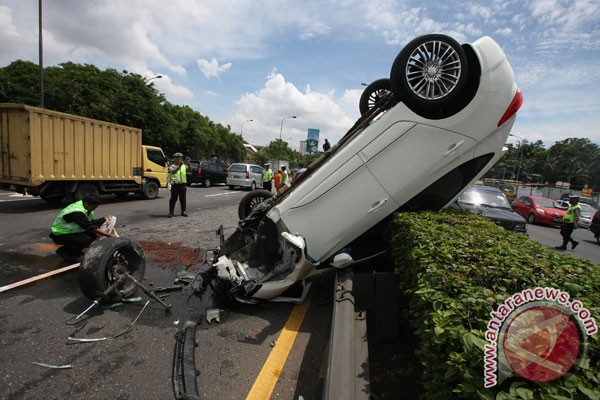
[(267, 176), (285, 176), (326, 146), (569, 223), (75, 228), (277, 179), (178, 172)]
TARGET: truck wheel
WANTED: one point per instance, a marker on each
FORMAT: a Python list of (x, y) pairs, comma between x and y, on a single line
[(251, 200), (104, 263), (150, 190), (85, 189)]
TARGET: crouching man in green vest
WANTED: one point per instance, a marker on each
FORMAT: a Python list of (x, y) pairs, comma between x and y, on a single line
[(75, 228)]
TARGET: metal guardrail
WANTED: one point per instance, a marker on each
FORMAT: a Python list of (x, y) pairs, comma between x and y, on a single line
[(347, 374)]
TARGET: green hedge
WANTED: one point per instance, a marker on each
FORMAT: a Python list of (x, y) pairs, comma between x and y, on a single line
[(456, 268)]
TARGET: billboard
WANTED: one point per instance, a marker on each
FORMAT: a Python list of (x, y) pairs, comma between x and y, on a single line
[(312, 141)]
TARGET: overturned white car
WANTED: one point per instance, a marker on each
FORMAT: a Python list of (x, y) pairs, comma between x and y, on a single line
[(438, 126), (435, 126)]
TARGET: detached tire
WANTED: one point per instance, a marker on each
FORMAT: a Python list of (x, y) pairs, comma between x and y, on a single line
[(102, 264), (429, 75), (251, 200), (373, 93)]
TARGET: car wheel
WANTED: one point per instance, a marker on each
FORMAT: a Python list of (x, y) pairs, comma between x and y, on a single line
[(373, 93), (231, 187), (150, 190), (428, 75), (251, 200), (84, 190), (253, 186), (531, 219), (104, 263), (207, 182)]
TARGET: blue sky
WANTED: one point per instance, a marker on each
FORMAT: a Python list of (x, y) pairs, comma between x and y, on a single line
[(263, 60)]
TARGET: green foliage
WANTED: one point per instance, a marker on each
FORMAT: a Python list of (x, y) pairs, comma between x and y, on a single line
[(574, 160), (122, 98), (455, 268)]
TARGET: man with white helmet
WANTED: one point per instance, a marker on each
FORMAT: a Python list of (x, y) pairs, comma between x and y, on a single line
[(178, 172)]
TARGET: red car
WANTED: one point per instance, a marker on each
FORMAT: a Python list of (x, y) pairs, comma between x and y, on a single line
[(539, 210)]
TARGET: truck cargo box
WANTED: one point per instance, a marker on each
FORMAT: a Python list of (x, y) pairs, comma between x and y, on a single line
[(39, 145)]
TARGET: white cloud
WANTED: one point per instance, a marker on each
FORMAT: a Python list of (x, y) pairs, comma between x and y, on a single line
[(212, 69), (279, 99)]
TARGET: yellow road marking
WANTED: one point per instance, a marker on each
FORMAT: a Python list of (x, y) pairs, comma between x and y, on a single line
[(268, 376)]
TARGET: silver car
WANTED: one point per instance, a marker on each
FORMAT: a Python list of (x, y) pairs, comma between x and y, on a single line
[(244, 175)]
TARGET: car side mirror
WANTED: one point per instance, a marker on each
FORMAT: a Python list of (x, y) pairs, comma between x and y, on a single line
[(341, 260)]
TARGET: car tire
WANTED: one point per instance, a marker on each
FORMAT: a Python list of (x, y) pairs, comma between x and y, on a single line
[(253, 186), (531, 219), (84, 190), (251, 200), (373, 94), (207, 183), (231, 187), (100, 266), (427, 83), (150, 190)]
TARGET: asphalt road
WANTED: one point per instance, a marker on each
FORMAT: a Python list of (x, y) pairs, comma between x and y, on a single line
[(36, 320)]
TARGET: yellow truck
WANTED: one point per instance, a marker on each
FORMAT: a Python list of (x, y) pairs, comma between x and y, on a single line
[(56, 155)]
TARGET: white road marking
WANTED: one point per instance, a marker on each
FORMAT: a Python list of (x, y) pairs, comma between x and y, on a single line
[(221, 194)]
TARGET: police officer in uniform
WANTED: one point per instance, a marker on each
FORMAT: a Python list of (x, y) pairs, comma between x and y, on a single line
[(569, 223), (178, 172), (75, 228), (267, 176)]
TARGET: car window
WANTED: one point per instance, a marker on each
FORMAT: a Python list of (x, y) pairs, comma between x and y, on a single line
[(256, 170), (194, 165), (484, 197), (548, 203), (237, 168)]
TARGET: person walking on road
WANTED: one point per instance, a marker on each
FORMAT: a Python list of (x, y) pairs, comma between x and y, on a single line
[(285, 176), (75, 228), (277, 179), (267, 176), (570, 223), (178, 172)]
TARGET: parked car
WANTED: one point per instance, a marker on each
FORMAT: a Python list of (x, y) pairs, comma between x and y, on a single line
[(442, 125), (206, 173), (493, 204), (582, 200), (586, 216), (539, 210), (244, 175)]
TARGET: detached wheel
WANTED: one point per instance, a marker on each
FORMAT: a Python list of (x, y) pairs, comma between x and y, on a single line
[(429, 74), (373, 94), (251, 200), (84, 190), (150, 190), (103, 265)]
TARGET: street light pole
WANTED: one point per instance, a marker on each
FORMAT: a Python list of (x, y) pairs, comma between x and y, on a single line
[(242, 128), (146, 80), (281, 127), (519, 154)]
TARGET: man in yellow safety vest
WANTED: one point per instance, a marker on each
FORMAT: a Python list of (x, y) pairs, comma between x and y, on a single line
[(569, 223), (75, 228), (178, 171)]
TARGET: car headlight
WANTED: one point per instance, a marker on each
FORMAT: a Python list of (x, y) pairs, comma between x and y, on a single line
[(540, 211)]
